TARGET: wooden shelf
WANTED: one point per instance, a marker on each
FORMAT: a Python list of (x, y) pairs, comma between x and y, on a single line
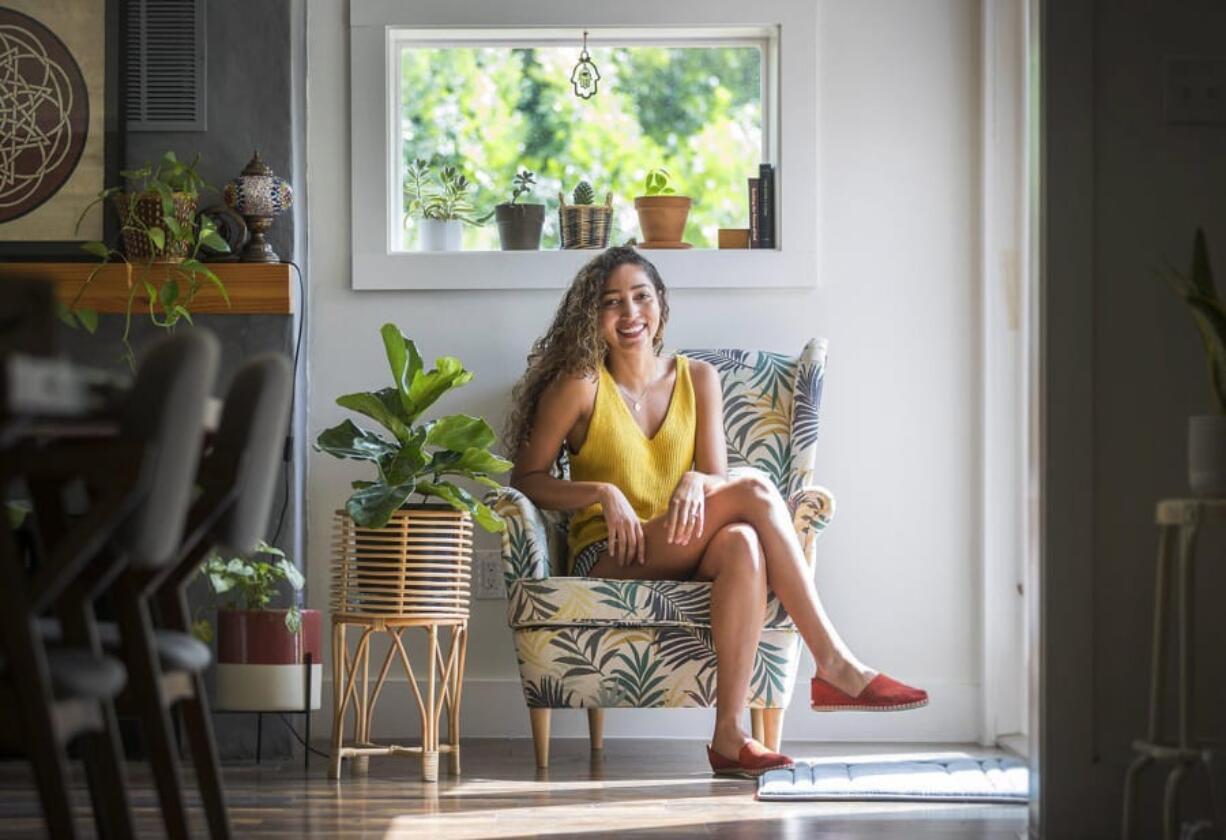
[(254, 288)]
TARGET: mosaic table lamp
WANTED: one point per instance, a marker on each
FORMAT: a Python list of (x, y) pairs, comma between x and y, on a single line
[(258, 196)]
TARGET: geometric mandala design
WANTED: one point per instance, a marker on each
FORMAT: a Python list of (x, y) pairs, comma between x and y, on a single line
[(44, 114)]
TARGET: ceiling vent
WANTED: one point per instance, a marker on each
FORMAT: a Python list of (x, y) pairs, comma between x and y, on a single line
[(164, 65)]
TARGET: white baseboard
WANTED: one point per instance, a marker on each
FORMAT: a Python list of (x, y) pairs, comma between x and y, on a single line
[(494, 708)]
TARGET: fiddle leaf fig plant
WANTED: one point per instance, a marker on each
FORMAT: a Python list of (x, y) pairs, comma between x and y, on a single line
[(1198, 290), (419, 456)]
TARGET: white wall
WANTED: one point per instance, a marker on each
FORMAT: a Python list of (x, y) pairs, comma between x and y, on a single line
[(899, 300)]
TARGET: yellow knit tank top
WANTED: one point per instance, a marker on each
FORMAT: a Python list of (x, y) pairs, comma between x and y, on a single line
[(617, 451)]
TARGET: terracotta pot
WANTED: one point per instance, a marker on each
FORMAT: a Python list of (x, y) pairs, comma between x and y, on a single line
[(662, 217), (261, 665), (519, 226), (136, 244)]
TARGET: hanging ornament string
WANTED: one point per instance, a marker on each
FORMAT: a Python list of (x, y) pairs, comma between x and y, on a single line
[(585, 75)]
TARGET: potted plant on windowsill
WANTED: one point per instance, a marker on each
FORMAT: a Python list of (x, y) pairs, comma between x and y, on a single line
[(662, 213), (519, 225), (1206, 432), (441, 210), (585, 224), (262, 651), (161, 245)]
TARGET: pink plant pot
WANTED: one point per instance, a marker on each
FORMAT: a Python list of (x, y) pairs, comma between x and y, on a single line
[(261, 665)]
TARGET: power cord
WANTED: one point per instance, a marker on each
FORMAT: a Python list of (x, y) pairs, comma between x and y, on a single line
[(288, 455), (298, 737)]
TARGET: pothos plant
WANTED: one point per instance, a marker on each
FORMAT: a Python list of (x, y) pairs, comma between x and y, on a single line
[(249, 584), (445, 199), (419, 456), (169, 271)]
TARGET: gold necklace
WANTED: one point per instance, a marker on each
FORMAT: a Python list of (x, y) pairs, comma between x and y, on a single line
[(637, 402)]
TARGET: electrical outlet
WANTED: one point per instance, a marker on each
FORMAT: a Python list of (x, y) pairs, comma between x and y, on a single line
[(488, 583), (1196, 91)]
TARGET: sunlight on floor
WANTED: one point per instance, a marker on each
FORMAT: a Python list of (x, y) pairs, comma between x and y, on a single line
[(653, 811)]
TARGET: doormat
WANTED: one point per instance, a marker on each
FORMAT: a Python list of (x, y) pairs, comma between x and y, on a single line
[(1000, 780)]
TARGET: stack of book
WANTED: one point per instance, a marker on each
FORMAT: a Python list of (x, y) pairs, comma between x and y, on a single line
[(762, 208)]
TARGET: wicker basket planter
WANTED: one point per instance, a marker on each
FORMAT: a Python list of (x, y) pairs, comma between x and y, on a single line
[(585, 225), (136, 245), (414, 572)]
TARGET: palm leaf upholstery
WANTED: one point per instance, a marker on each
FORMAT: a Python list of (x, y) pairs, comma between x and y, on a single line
[(593, 643)]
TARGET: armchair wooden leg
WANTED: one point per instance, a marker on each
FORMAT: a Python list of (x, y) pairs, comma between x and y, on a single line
[(756, 730), (772, 725), (595, 728), (540, 735)]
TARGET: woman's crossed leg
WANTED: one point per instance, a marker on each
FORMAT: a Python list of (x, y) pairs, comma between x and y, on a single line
[(747, 543)]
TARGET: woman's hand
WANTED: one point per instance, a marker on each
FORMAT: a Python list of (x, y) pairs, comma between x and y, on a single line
[(625, 530), (687, 510)]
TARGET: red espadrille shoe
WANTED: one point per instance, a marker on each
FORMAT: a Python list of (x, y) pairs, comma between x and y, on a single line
[(752, 761), (882, 694)]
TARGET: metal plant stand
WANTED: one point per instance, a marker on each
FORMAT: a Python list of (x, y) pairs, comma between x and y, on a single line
[(1179, 521)]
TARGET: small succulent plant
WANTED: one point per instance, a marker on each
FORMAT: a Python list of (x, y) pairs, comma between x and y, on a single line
[(584, 194), (522, 183)]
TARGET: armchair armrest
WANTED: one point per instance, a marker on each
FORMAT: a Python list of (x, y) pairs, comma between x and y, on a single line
[(533, 537), (812, 509)]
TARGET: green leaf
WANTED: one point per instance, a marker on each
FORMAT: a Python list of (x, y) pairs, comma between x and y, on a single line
[(181, 312), (406, 464), (98, 249), (293, 619), (65, 314), (169, 292), (346, 440), (291, 573), (373, 506), (460, 432), (377, 409), (448, 373), (214, 240), (88, 319), (404, 360), (202, 629), (157, 236), (461, 499)]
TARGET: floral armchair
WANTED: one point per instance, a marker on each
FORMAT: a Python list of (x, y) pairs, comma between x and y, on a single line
[(597, 644)]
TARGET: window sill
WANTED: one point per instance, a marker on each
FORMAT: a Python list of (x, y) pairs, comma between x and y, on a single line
[(554, 269)]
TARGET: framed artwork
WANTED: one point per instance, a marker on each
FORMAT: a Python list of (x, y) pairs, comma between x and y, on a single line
[(60, 119)]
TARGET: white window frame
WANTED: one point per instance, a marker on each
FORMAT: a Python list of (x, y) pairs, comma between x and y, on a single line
[(787, 30)]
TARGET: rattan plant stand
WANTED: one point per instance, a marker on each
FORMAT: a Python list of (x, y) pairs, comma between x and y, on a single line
[(414, 572)]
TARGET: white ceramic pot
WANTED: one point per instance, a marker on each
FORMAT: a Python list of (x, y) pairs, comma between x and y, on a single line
[(441, 236), (1207, 454)]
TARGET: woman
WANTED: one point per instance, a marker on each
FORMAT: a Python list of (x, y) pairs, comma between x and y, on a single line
[(648, 482)]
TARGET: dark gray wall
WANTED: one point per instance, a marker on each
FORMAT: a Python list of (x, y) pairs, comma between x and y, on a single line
[(249, 102), (255, 100), (1123, 370)]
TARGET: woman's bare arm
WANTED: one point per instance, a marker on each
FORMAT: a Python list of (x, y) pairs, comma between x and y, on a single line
[(560, 407)]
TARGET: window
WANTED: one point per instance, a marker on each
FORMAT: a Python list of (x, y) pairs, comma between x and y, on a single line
[(490, 111), (445, 81)]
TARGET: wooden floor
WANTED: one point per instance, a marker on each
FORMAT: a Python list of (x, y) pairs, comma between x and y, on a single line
[(636, 789)]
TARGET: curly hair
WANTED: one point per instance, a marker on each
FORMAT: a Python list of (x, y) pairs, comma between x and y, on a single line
[(573, 344)]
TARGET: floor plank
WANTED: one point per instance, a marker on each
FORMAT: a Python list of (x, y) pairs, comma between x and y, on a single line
[(637, 788)]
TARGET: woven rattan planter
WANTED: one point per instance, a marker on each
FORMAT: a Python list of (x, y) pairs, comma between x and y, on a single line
[(136, 244), (585, 225), (414, 572)]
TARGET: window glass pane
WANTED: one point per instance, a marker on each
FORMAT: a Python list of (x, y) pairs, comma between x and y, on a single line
[(492, 111)]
